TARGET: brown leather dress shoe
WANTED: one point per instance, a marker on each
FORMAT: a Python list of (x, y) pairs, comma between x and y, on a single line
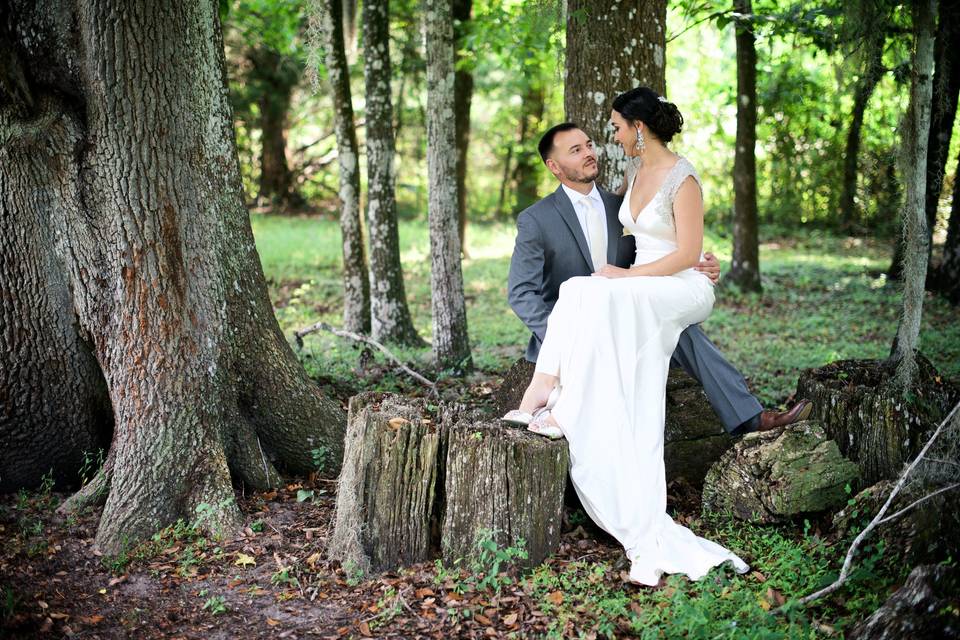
[(773, 419)]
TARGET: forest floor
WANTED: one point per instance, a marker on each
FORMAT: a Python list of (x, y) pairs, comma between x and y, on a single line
[(825, 299)]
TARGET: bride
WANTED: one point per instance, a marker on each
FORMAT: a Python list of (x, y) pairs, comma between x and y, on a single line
[(601, 375)]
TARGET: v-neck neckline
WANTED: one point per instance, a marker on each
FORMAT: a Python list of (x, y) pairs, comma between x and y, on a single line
[(633, 182)]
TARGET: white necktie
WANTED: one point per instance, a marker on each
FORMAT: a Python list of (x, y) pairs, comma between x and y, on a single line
[(597, 228)]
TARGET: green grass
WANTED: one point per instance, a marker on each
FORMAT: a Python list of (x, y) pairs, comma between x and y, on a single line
[(824, 299)]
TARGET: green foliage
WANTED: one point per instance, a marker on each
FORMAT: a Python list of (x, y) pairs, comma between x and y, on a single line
[(216, 605), (488, 567), (319, 456)]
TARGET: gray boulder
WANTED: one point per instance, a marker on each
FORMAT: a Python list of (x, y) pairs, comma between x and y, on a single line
[(775, 476)]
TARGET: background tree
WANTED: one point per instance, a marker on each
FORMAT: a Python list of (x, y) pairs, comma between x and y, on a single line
[(451, 346), (872, 56), (265, 38), (745, 269), (603, 59), (949, 275), (327, 34), (390, 317), (916, 131), (462, 99), (169, 295)]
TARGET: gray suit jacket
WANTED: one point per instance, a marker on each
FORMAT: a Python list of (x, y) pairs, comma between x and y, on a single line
[(550, 249)]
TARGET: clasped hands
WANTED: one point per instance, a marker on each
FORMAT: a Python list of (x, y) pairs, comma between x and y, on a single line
[(709, 266)]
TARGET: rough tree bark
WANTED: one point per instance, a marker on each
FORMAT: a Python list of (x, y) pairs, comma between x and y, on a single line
[(872, 72), (917, 238), (462, 100), (278, 75), (390, 316), (144, 191), (387, 490), (603, 59), (745, 268), (451, 345), (326, 18)]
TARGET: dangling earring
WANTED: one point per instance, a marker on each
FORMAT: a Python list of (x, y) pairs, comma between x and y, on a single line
[(640, 142)]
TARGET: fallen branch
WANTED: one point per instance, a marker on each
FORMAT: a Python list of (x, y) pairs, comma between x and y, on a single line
[(879, 518), (357, 337)]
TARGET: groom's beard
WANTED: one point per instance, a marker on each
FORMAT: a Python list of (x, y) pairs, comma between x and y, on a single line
[(585, 174)]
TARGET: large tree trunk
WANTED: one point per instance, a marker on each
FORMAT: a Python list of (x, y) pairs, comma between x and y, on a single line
[(451, 346), (356, 283), (946, 86), (525, 172), (390, 317), (745, 269), (873, 71), (915, 232), (462, 99), (605, 58), (158, 250), (278, 75)]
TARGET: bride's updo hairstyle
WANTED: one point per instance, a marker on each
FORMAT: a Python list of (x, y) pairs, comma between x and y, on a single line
[(662, 118)]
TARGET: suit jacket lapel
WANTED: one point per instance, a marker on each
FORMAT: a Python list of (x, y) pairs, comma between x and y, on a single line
[(569, 216), (611, 203)]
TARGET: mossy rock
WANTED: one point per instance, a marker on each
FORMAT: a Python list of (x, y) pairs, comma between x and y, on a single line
[(778, 475)]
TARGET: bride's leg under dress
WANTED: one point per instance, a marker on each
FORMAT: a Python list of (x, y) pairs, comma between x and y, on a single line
[(610, 342)]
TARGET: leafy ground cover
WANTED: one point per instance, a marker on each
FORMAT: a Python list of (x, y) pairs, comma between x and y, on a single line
[(825, 299)]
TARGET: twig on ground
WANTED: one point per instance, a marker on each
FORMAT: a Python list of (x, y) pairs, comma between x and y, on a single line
[(356, 337), (879, 518)]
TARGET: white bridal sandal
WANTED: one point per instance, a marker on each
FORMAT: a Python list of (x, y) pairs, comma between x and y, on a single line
[(522, 418)]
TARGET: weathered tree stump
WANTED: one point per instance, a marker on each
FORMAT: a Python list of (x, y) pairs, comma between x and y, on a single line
[(873, 426), (693, 437), (919, 536), (924, 607), (505, 481), (388, 483), (773, 476)]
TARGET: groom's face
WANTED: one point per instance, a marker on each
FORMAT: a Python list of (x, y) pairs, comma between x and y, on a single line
[(573, 158)]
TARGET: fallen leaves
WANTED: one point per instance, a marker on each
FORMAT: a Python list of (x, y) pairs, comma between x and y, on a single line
[(244, 560)]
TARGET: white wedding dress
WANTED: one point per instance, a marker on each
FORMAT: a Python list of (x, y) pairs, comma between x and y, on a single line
[(610, 342)]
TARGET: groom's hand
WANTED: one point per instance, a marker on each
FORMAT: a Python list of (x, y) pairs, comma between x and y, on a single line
[(610, 271), (710, 267)]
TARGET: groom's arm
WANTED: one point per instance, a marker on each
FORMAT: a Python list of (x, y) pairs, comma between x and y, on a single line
[(526, 276)]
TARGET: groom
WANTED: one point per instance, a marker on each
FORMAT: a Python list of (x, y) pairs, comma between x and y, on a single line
[(575, 230)]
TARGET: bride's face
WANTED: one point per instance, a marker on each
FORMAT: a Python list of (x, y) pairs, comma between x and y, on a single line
[(624, 133)]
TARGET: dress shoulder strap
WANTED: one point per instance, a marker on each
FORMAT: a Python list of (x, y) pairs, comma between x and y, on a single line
[(680, 172)]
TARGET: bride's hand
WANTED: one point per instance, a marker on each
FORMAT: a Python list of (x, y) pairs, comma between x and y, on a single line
[(610, 271), (709, 267)]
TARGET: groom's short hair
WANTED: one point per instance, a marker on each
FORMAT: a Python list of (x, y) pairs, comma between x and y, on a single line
[(546, 142)]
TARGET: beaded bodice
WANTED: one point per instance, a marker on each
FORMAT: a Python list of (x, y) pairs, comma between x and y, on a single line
[(654, 227)]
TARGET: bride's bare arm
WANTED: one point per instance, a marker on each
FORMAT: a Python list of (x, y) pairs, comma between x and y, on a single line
[(688, 218)]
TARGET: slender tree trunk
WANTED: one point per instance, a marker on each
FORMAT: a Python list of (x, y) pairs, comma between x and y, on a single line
[(279, 76), (349, 10), (152, 235), (612, 46), (326, 18), (949, 276), (390, 317), (745, 270), (946, 85), (916, 137), (525, 172), (873, 71), (463, 97), (451, 346)]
